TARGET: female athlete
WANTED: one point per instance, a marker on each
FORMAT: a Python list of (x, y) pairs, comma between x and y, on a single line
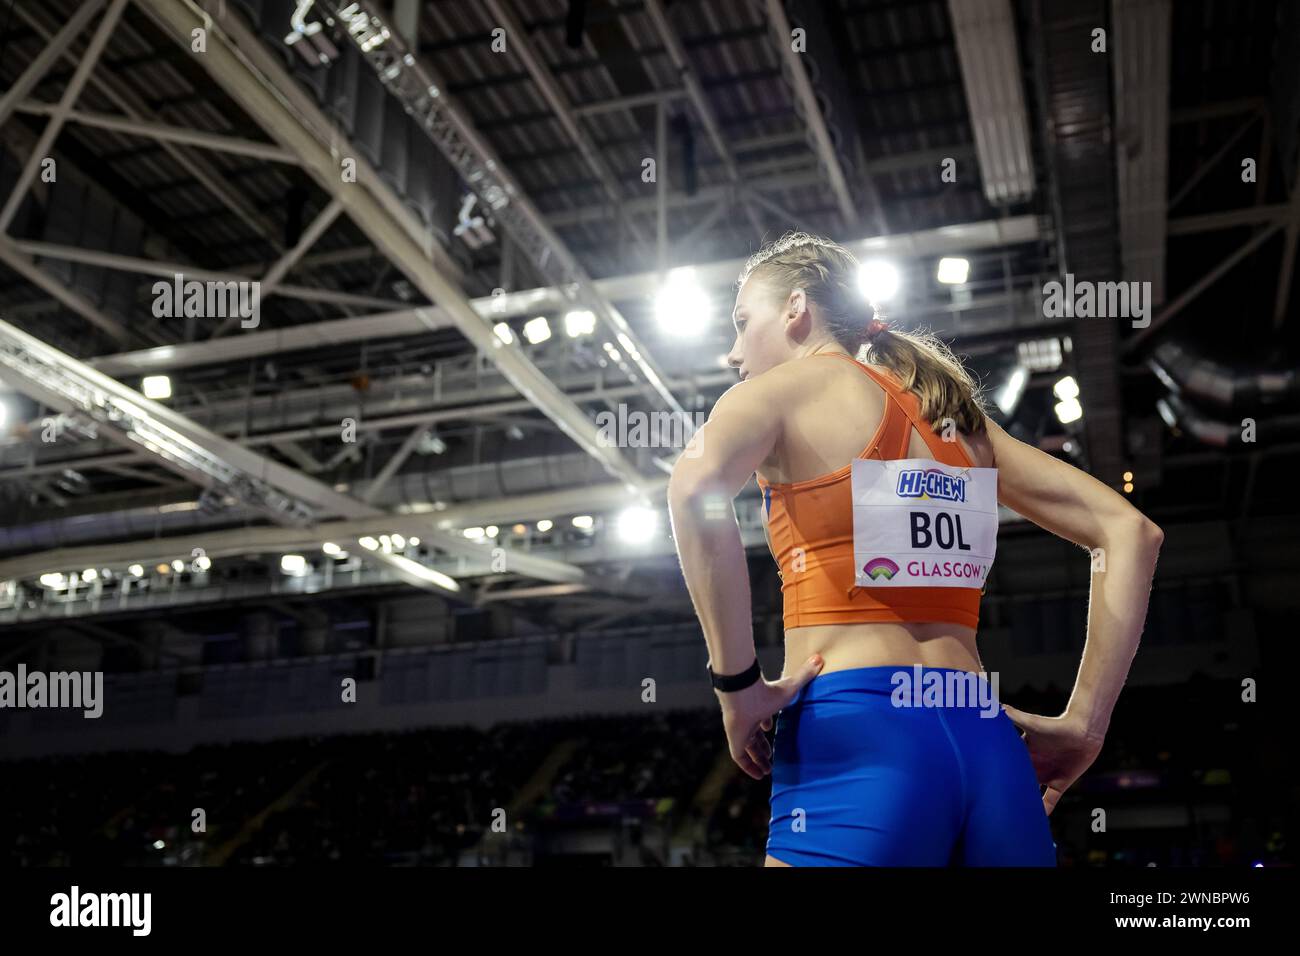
[(880, 475)]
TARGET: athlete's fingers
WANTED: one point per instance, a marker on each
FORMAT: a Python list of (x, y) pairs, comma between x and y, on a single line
[(766, 723), (760, 745)]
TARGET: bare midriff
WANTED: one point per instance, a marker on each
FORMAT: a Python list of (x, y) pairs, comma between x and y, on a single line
[(846, 646)]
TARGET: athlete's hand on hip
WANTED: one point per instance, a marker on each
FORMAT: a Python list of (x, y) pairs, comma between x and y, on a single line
[(1060, 748), (747, 713)]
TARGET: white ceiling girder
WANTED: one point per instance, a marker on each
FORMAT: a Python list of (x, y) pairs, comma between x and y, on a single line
[(244, 73)]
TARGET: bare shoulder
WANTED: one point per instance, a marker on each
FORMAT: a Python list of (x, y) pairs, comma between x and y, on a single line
[(779, 388)]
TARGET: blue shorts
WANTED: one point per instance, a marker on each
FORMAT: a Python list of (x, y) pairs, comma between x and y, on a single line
[(858, 781)]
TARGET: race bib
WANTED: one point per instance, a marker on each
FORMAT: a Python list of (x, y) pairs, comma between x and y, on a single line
[(919, 523)]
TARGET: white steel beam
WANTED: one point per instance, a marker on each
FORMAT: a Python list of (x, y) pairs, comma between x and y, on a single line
[(238, 61)]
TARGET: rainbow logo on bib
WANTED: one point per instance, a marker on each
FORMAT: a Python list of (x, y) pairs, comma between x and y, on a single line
[(878, 568)]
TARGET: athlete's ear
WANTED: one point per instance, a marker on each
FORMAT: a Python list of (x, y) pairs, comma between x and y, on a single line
[(797, 303)]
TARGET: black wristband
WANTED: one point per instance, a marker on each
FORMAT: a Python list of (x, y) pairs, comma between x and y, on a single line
[(735, 682)]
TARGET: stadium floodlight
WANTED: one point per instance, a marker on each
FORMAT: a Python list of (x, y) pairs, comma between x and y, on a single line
[(369, 543), (136, 570), (1069, 410), (504, 333), (545, 524), (682, 306), (293, 564), (637, 524), (1066, 389), (953, 270), (579, 322), (878, 279), (156, 387), (582, 522), (537, 330)]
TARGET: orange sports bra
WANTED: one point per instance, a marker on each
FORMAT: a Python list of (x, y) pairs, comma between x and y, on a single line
[(817, 516)]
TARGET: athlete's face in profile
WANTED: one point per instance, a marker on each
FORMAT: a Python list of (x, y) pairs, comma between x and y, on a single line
[(762, 316)]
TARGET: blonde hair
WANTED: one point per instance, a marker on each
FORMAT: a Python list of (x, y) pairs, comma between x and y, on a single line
[(922, 363)]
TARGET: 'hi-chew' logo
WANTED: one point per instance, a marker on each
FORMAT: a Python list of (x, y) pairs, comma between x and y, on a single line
[(878, 568), (930, 483)]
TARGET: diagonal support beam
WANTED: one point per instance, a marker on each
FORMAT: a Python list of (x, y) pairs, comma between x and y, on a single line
[(79, 76), (695, 93), (207, 175), (22, 264), (237, 60), (806, 99), (55, 47), (274, 275), (563, 110)]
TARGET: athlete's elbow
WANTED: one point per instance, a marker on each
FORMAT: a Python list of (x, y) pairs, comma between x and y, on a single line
[(1145, 533), (1152, 535)]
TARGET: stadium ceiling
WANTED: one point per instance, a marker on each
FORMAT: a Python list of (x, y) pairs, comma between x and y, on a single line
[(494, 185)]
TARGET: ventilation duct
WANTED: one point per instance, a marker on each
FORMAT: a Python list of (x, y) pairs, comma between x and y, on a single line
[(1184, 373), (1210, 431)]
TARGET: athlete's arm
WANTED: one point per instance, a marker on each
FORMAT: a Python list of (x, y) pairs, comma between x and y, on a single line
[(740, 433), (1073, 505)]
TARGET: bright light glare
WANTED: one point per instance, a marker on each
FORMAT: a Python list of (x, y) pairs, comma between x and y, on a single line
[(137, 570), (1066, 389), (637, 525), (332, 549), (537, 330), (157, 387), (369, 543), (681, 306), (473, 532), (953, 271), (502, 329), (1009, 394), (52, 580), (202, 562), (178, 565), (878, 280), (89, 575), (546, 524), (579, 322), (294, 564)]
